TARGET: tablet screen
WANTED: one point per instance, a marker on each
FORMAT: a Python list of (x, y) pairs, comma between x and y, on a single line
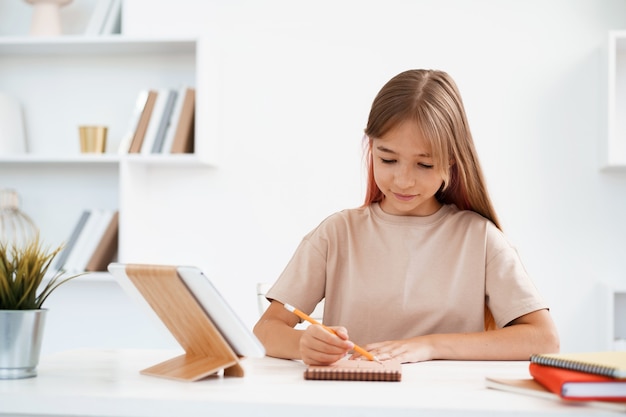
[(238, 336)]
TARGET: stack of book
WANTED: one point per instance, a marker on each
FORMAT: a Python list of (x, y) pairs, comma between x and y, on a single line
[(105, 18), (162, 122), (593, 378), (92, 244)]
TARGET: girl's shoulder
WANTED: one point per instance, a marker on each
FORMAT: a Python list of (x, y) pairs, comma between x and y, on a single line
[(469, 217), (474, 225), (341, 221), (347, 217), (471, 222)]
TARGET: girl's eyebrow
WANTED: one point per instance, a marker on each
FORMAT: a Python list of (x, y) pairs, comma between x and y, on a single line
[(387, 150)]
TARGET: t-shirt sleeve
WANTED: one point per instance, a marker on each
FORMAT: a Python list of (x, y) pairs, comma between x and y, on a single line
[(509, 289), (302, 282)]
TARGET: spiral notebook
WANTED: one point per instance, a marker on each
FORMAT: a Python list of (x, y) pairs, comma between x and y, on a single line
[(529, 386), (356, 370), (608, 363)]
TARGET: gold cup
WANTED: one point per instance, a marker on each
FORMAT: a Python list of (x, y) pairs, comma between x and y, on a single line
[(93, 139)]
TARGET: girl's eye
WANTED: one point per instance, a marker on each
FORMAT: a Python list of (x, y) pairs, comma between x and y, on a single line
[(387, 161), (427, 166)]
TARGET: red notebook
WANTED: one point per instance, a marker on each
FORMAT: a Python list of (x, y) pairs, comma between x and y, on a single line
[(576, 385)]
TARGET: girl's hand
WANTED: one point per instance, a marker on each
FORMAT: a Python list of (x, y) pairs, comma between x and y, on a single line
[(410, 350), (320, 347)]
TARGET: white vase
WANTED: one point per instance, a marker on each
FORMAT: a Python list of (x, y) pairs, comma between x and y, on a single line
[(16, 227), (20, 344), (12, 138), (46, 19)]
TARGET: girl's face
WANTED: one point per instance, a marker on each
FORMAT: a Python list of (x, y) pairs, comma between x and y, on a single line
[(404, 171)]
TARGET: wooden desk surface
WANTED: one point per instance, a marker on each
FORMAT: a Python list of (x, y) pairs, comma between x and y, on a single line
[(108, 383)]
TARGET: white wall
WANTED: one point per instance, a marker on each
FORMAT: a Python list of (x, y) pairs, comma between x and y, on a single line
[(296, 81)]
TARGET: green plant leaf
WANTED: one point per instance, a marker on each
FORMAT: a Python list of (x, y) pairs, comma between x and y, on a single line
[(22, 272)]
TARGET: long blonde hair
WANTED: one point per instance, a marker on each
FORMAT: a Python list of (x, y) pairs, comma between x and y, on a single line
[(431, 99)]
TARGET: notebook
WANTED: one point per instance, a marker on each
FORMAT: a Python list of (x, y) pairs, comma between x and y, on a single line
[(575, 385), (609, 363), (356, 370), (528, 386)]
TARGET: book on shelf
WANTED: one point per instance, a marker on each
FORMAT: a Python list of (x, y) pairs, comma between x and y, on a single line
[(607, 363), (576, 385), (155, 120), (168, 139), (165, 121), (103, 218), (142, 124), (113, 22), (98, 17), (127, 139), (93, 243), (71, 241), (356, 370), (75, 256), (106, 249), (183, 140), (529, 386)]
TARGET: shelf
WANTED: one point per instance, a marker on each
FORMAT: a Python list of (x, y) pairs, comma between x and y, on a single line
[(46, 159), (112, 159), (102, 276), (94, 45), (614, 152), (64, 82), (177, 160), (616, 304), (98, 79), (619, 317)]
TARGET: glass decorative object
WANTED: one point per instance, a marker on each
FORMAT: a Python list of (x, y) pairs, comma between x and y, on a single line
[(16, 227)]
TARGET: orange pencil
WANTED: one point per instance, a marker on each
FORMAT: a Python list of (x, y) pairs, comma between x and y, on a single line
[(311, 320)]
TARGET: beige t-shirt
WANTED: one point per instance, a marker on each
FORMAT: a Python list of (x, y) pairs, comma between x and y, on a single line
[(387, 277)]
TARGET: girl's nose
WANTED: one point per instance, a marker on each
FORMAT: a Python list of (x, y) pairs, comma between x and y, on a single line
[(404, 177)]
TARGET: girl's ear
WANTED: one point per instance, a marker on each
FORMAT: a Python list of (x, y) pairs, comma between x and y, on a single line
[(452, 162)]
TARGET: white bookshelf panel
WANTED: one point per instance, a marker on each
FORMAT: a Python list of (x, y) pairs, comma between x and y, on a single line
[(67, 81), (87, 82), (54, 195), (619, 319), (614, 153)]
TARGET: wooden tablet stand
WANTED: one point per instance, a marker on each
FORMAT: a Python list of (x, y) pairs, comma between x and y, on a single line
[(206, 350)]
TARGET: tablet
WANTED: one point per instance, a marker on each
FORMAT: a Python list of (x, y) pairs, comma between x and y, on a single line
[(241, 339)]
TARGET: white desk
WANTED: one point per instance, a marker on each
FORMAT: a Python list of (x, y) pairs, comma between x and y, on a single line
[(108, 383)]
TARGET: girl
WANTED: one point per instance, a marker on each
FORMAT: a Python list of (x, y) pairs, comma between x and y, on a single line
[(421, 271)]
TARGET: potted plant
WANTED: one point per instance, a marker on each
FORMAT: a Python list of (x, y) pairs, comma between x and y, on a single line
[(24, 288)]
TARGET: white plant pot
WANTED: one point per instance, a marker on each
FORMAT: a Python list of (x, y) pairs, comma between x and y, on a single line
[(21, 334)]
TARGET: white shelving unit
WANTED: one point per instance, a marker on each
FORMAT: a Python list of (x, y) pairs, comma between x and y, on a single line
[(617, 318), (67, 81), (614, 159), (614, 151)]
